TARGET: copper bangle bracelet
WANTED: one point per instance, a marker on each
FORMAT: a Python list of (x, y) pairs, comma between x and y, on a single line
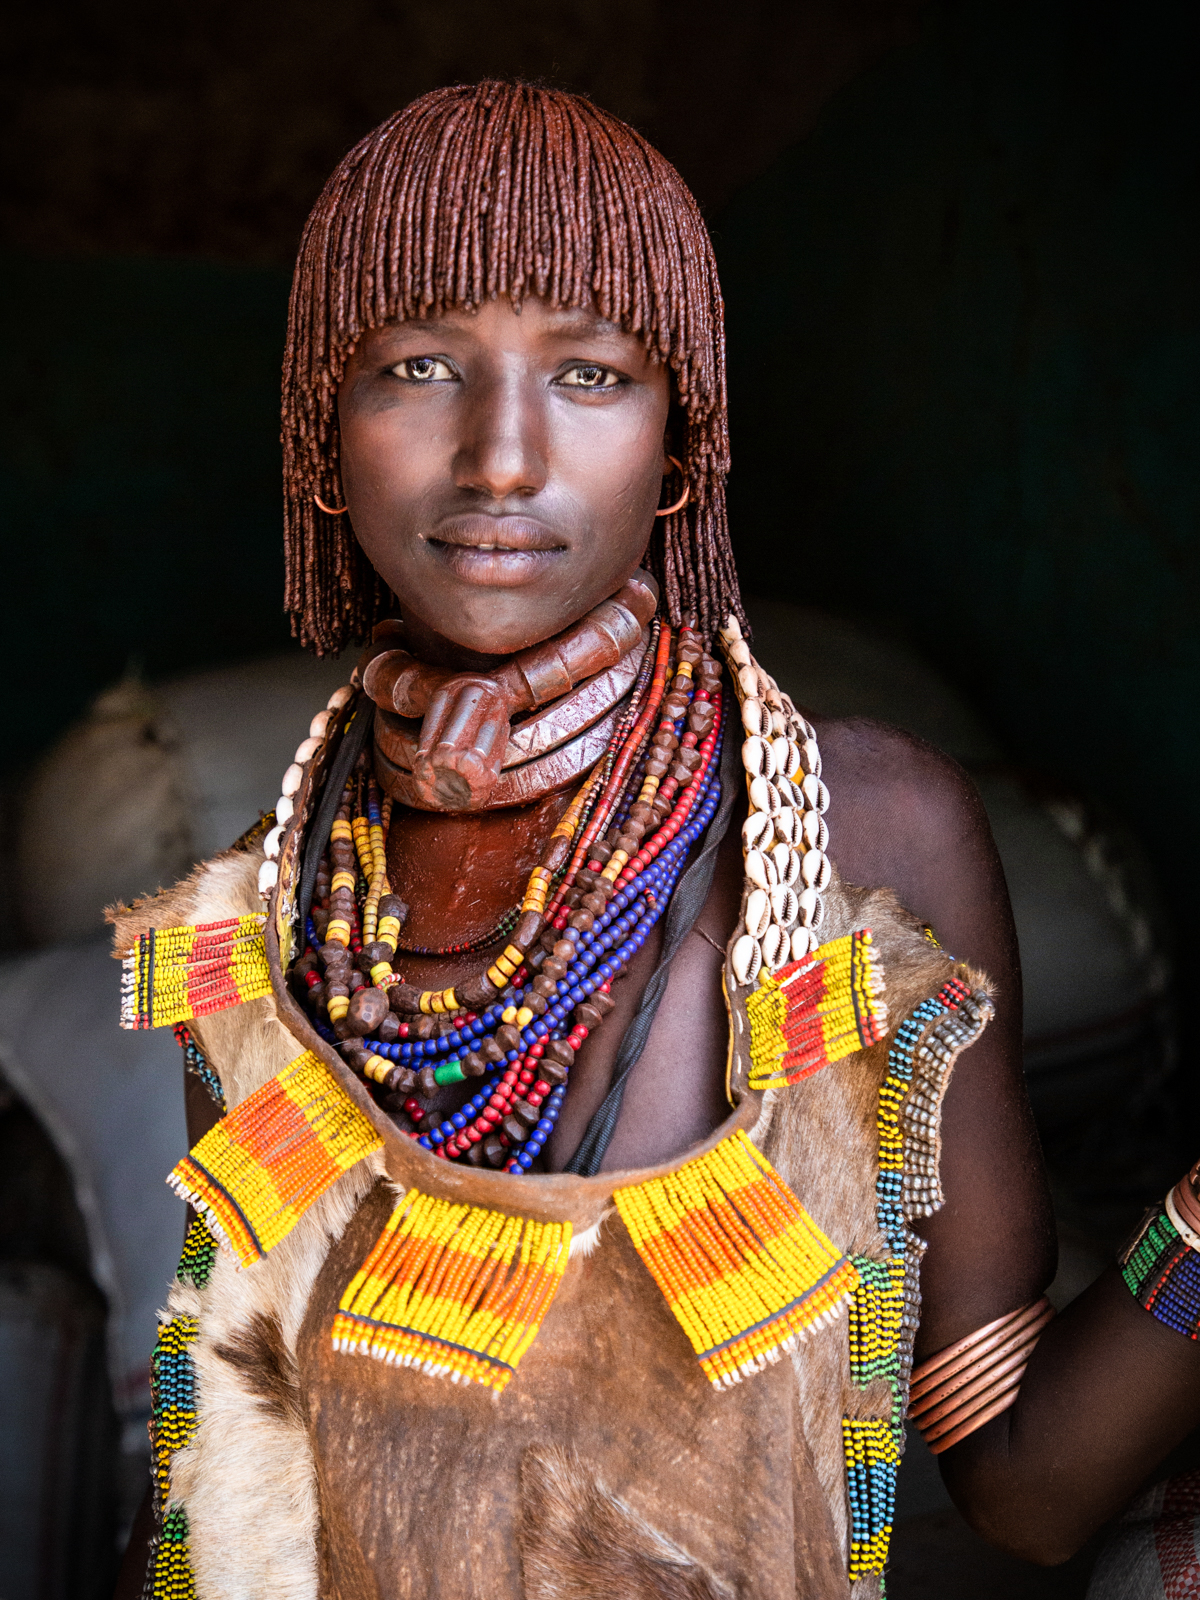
[(956, 1391)]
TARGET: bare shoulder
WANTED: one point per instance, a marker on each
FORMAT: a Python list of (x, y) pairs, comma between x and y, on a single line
[(904, 815)]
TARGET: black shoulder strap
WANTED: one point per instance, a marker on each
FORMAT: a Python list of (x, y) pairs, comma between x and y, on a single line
[(357, 726), (686, 905)]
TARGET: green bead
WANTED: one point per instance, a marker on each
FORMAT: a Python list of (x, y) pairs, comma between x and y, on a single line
[(449, 1072)]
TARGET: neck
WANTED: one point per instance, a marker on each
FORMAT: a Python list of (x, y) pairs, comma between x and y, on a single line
[(436, 650), (466, 712)]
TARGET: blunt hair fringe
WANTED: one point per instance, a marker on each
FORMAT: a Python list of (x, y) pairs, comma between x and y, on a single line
[(468, 194)]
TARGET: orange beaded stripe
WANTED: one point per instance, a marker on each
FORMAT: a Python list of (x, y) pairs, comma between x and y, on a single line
[(453, 1289), (255, 1174), (816, 1011), (174, 974), (743, 1266)]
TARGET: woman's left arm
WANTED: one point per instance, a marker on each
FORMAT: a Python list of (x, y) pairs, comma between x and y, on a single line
[(1109, 1390)]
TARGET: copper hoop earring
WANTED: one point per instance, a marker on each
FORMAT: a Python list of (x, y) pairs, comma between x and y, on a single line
[(330, 511), (683, 499)]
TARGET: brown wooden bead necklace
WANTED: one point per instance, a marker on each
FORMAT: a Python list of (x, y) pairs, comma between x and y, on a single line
[(589, 904)]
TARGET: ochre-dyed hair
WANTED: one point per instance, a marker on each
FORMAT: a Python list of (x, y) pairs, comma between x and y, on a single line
[(468, 194)]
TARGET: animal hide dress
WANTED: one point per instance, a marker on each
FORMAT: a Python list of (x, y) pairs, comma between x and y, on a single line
[(315, 1441)]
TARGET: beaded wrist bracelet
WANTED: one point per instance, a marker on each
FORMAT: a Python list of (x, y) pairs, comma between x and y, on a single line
[(968, 1383), (1161, 1263)]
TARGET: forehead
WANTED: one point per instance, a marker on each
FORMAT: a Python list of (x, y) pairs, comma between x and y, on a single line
[(533, 319)]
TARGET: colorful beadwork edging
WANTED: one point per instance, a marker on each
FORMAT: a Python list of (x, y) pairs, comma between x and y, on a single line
[(173, 1424), (886, 1303), (1162, 1273)]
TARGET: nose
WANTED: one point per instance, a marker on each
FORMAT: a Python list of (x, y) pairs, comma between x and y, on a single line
[(502, 450)]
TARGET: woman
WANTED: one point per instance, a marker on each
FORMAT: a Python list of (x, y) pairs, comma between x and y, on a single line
[(570, 1065)]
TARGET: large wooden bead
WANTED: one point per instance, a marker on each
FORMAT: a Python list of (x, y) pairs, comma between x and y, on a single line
[(494, 1152)]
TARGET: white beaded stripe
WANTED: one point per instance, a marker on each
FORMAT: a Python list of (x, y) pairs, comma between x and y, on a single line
[(785, 834), (285, 806)]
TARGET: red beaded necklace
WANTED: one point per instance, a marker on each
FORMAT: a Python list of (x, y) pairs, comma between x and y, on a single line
[(605, 877)]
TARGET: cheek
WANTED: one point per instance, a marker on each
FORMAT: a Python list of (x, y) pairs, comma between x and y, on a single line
[(613, 468)]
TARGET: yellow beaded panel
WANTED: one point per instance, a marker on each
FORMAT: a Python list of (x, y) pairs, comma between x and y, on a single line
[(743, 1266), (255, 1174), (453, 1289), (816, 1011), (175, 974)]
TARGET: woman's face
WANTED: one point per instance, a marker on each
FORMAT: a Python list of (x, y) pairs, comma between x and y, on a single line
[(501, 469)]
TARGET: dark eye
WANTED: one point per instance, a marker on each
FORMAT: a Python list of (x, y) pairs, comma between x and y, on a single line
[(423, 369), (589, 376)]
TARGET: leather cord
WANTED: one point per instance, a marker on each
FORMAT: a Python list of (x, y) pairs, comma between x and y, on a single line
[(686, 905)]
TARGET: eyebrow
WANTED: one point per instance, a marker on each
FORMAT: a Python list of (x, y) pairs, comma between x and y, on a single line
[(576, 320)]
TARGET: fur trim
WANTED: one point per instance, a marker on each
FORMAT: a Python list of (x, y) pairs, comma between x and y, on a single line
[(248, 1480), (583, 1244), (579, 1541)]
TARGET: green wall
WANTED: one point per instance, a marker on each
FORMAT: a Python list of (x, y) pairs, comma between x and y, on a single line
[(139, 475), (966, 382), (965, 388)]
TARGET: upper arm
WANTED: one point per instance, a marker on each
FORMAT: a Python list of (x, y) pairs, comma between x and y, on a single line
[(904, 816)]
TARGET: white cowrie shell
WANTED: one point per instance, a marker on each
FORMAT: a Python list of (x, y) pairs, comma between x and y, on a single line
[(272, 841), (826, 873), (268, 877), (748, 679), (810, 867), (787, 863), (284, 808), (787, 792), (809, 901), (812, 757), (764, 796), (811, 789), (812, 829), (292, 778), (778, 723), (822, 797), (339, 697), (757, 758), (785, 908), (779, 755), (732, 629), (788, 825), (758, 912), (794, 768), (760, 869), (739, 653), (746, 959), (318, 725), (804, 942), (307, 750), (752, 715), (756, 829), (776, 947)]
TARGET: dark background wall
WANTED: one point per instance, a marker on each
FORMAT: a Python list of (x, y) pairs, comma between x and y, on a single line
[(959, 247)]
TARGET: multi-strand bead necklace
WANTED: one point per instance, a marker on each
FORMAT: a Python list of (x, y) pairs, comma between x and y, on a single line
[(606, 878)]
